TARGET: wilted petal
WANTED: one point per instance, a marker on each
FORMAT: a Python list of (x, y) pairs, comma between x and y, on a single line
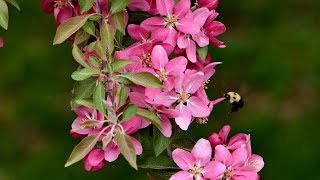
[(159, 57), (166, 128), (202, 152), (184, 159), (255, 162), (137, 145), (111, 152), (137, 33), (193, 82), (181, 175), (214, 170), (191, 51), (181, 8), (184, 118), (188, 26), (153, 23), (165, 7), (198, 107), (176, 66)]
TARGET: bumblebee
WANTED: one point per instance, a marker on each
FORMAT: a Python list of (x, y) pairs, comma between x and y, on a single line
[(235, 100)]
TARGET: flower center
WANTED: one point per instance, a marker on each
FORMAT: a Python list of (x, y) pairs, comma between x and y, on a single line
[(162, 75), (202, 120), (146, 59), (228, 174), (59, 4), (171, 20), (204, 85), (196, 171), (183, 97)]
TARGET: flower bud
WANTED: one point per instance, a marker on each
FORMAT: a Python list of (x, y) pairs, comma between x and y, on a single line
[(210, 4), (94, 161)]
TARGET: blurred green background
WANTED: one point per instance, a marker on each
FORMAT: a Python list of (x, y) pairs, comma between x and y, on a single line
[(272, 53)]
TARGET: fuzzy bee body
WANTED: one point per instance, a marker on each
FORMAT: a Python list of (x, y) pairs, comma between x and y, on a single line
[(235, 100)]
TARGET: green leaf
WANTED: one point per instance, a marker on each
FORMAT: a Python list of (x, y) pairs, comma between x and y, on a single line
[(82, 149), (182, 143), (107, 139), (81, 36), (94, 61), (160, 142), (91, 46), (89, 124), (85, 102), (85, 5), (69, 27), (107, 37), (129, 112), (118, 65), (79, 57), (90, 28), (149, 116), (126, 148), (119, 5), (100, 50), (84, 74), (202, 52), (119, 22), (83, 89), (14, 3), (122, 96), (161, 162), (124, 80), (145, 79), (99, 97), (4, 16)]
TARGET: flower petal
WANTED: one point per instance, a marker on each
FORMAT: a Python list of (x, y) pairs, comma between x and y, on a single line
[(200, 16), (137, 33), (184, 118), (165, 7), (188, 26), (239, 157), (153, 23), (181, 8), (255, 162), (198, 107), (184, 159), (95, 157), (191, 51), (202, 152), (137, 145), (193, 82), (222, 155), (159, 57), (166, 98), (176, 66), (181, 175), (138, 99), (214, 170), (201, 39), (166, 129), (182, 41), (139, 5), (111, 152)]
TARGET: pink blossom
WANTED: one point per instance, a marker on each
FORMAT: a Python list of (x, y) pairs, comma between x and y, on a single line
[(234, 163), (184, 94), (86, 114), (214, 28), (1, 42), (60, 8), (221, 137), (197, 164), (210, 4), (173, 19), (94, 160)]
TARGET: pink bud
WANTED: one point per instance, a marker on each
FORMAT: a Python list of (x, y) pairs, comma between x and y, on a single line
[(1, 42), (210, 4), (94, 161)]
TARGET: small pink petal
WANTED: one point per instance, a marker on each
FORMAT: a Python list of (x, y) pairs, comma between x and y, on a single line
[(137, 33), (188, 26), (239, 157), (201, 39), (202, 152), (182, 41), (159, 35), (181, 175), (166, 98), (111, 152), (159, 57), (184, 159), (166, 129), (137, 145), (224, 132), (139, 5), (138, 99), (255, 162), (222, 155), (165, 7), (184, 118), (191, 51), (151, 93), (64, 14), (96, 156), (200, 16), (176, 66), (193, 82), (172, 37), (198, 107), (179, 83), (214, 170), (181, 8), (153, 23), (132, 126)]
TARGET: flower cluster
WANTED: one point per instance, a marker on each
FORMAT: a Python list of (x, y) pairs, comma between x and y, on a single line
[(230, 161), (148, 71)]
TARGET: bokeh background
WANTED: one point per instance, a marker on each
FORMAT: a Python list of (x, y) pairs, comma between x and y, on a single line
[(272, 58)]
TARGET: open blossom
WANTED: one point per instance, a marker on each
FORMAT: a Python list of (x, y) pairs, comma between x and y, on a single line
[(213, 28), (94, 160), (197, 164)]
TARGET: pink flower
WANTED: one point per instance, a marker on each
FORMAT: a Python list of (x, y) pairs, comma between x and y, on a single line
[(173, 19), (189, 104), (210, 4), (220, 138), (167, 70), (214, 28), (197, 164), (1, 42), (94, 160), (60, 8), (86, 114), (234, 163)]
